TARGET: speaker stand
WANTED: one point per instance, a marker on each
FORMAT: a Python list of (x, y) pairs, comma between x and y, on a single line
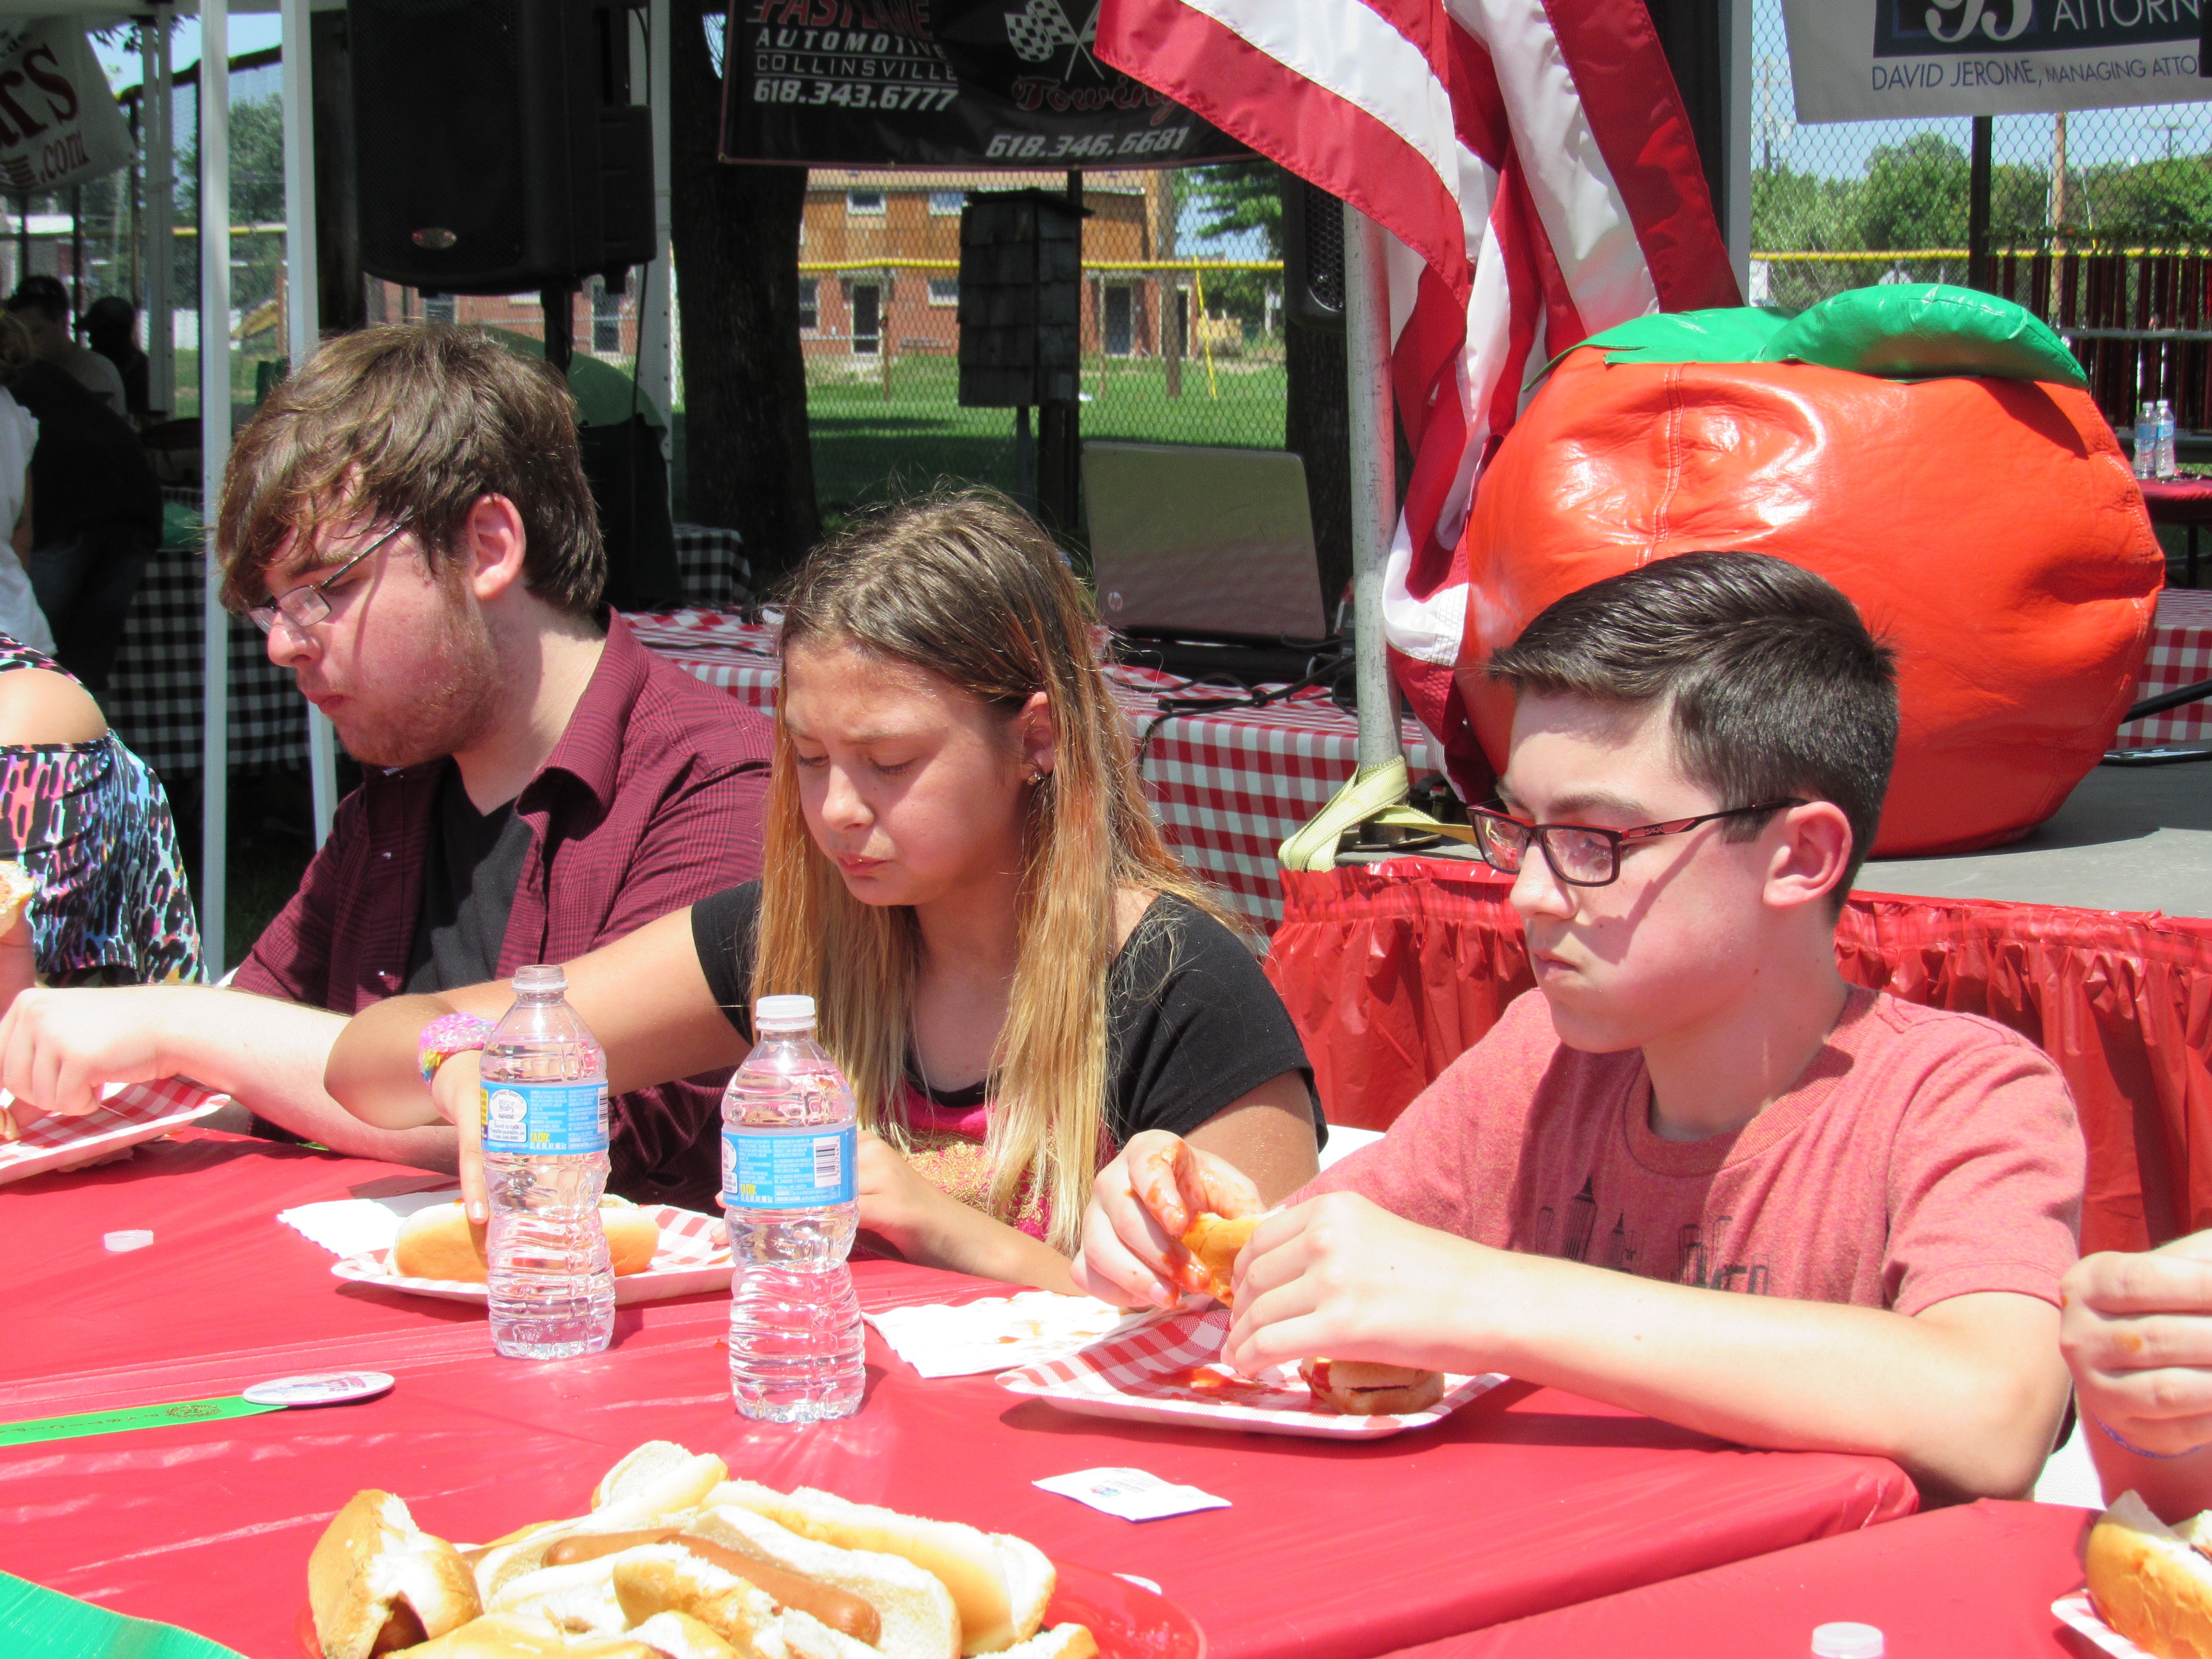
[(560, 326)]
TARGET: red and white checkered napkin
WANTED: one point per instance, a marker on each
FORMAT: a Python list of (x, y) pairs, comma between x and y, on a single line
[(131, 1112), (1168, 1371)]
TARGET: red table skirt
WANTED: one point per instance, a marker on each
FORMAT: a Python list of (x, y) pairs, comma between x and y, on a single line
[(1393, 970), (1976, 1580)]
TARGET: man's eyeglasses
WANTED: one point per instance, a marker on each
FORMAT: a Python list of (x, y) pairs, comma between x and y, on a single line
[(1581, 854), (303, 607)]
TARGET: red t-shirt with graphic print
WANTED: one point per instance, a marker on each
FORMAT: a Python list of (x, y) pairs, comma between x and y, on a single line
[(1921, 1155)]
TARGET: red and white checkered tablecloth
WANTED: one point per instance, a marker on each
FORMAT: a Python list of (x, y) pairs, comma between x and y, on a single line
[(1228, 789), (2180, 654)]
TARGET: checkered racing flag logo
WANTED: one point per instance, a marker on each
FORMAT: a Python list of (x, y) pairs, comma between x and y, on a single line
[(1042, 28)]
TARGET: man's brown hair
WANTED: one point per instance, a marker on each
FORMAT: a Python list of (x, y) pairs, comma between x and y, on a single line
[(417, 423)]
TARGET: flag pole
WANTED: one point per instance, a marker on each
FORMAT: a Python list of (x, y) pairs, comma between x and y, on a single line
[(1374, 480)]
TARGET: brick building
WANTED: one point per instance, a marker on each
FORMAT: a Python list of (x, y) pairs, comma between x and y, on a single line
[(854, 215)]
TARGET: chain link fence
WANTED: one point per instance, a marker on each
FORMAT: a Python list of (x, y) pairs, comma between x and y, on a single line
[(1182, 323), (2100, 221)]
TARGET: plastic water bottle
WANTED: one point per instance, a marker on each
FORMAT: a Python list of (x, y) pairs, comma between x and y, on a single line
[(2146, 456), (788, 1197), (2168, 461), (544, 1125)]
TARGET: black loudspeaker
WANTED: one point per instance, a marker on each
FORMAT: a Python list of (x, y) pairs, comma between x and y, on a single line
[(496, 147), (1313, 255), (1021, 299)]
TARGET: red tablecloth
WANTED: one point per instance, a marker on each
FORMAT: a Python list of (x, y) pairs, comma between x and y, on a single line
[(1328, 1550), (1393, 970), (1979, 1580), (2180, 654)]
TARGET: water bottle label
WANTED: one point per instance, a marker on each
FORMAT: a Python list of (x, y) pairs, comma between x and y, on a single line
[(545, 1118), (801, 1168)]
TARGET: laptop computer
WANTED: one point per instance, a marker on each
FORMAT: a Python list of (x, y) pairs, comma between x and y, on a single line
[(1214, 545)]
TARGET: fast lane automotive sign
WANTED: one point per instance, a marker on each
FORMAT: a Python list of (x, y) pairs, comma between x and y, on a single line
[(1860, 60), (59, 124), (968, 83)]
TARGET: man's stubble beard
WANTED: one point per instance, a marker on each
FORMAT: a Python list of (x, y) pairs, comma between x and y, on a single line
[(453, 708)]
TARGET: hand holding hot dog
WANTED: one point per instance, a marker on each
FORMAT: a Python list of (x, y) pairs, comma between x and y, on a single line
[(1141, 1204)]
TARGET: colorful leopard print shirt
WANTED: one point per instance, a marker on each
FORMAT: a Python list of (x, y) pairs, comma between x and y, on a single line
[(90, 822)]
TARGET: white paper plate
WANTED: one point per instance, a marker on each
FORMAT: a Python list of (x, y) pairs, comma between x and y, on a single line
[(1167, 1371), (693, 1256), (2078, 1613), (129, 1113)]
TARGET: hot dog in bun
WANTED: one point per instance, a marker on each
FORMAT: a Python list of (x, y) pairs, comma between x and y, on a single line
[(676, 1562), (2148, 1582), (441, 1242), (1213, 1241), (1360, 1388)]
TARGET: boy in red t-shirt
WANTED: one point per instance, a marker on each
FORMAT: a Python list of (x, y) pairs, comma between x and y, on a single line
[(1833, 1220)]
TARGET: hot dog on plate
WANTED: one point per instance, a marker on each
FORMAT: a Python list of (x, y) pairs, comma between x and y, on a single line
[(676, 1561), (441, 1242)]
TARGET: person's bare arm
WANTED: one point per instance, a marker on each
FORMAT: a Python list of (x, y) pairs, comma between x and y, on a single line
[(58, 1047), (645, 997), (2137, 1335), (1966, 1394)]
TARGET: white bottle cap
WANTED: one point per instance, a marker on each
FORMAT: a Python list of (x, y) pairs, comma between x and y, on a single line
[(781, 1012), (1847, 1642), (136, 1238)]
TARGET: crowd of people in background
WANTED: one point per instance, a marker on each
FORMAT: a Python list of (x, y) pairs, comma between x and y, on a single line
[(1694, 1173)]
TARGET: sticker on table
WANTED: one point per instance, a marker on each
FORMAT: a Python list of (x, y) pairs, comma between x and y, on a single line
[(319, 1388), (1131, 1494)]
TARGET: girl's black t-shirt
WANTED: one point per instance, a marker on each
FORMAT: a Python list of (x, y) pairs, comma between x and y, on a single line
[(1192, 1024)]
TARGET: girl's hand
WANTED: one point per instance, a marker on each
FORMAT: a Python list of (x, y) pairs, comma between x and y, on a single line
[(2136, 1331), (458, 1093), (897, 1205)]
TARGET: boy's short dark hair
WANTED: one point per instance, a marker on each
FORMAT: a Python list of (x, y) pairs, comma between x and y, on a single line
[(1775, 685), (415, 422)]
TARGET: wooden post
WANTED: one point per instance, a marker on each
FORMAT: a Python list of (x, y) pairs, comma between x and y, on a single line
[(1977, 207)]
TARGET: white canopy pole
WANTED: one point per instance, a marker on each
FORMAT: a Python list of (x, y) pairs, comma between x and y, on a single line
[(303, 305), (215, 453), (1374, 480), (656, 354), (156, 128)]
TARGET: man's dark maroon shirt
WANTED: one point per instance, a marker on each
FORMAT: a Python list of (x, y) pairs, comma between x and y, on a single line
[(651, 799)]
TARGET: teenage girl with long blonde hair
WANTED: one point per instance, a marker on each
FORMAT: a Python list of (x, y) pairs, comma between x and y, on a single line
[(1013, 970)]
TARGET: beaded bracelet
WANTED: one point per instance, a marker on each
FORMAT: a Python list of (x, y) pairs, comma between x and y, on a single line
[(2130, 1447), (446, 1035)]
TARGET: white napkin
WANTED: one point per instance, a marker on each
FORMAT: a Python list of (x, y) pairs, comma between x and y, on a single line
[(356, 1226), (998, 1333)]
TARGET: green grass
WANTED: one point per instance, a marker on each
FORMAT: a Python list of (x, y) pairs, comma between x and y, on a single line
[(867, 446)]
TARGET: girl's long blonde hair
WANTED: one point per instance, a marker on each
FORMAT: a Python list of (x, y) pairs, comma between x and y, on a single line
[(968, 587)]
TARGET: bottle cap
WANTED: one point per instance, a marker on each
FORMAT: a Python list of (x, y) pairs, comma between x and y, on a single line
[(1846, 1641), (132, 1238), (541, 978), (783, 1011)]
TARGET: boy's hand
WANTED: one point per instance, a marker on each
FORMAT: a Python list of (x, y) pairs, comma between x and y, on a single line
[(458, 1092), (2136, 1331), (1341, 1277), (1141, 1204)]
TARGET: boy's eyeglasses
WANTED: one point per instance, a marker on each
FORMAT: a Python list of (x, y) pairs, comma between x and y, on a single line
[(1581, 854), (303, 607)]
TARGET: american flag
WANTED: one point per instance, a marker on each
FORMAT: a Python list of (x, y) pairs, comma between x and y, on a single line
[(1537, 182)]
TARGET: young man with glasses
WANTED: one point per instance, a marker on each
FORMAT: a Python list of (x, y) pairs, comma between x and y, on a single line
[(409, 523), (1698, 1176)]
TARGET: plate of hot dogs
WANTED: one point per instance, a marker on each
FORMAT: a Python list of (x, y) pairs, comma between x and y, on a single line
[(675, 1560), (658, 1251), (1168, 1371)]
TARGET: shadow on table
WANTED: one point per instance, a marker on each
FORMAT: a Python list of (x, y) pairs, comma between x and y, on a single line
[(1491, 1418)]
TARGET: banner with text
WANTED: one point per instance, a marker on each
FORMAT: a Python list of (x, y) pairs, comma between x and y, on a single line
[(961, 83), (1870, 60), (59, 124)]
